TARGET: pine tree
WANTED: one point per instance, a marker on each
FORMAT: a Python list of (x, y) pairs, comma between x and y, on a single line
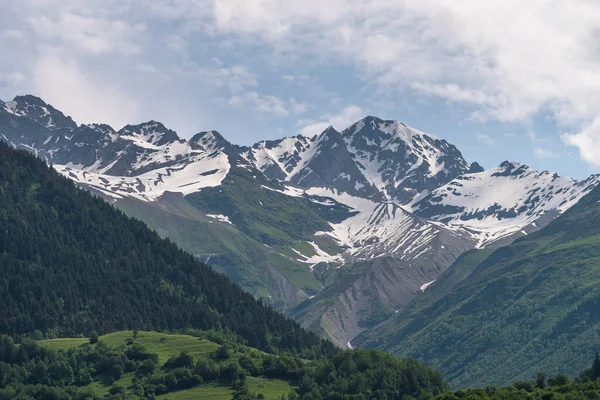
[(540, 380), (596, 368)]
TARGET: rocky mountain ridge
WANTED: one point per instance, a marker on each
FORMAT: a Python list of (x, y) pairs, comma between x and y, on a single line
[(307, 210)]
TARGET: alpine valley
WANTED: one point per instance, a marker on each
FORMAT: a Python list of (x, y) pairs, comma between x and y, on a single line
[(340, 231)]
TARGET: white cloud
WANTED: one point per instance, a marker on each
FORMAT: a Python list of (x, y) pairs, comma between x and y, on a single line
[(298, 108), (12, 34), (587, 141), (450, 49), (543, 58), (92, 35), (339, 121), (235, 79), (268, 105), (61, 82), (541, 153), (176, 43), (456, 93), (13, 78), (274, 19), (485, 139), (456, 47)]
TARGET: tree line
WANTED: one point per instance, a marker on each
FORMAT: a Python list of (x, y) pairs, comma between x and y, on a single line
[(32, 370)]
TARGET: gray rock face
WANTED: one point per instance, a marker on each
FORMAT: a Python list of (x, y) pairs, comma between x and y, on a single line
[(475, 168), (333, 166), (37, 110), (400, 161), (152, 132), (371, 291)]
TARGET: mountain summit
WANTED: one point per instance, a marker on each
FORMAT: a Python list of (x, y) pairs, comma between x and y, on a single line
[(372, 158), (401, 161)]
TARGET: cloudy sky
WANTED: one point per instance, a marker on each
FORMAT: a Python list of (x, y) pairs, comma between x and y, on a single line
[(502, 79)]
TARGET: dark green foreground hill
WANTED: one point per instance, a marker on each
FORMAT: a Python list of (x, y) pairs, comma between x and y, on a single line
[(71, 264), (529, 307)]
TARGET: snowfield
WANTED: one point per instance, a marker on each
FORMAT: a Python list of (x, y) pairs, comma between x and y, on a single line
[(207, 170), (501, 201)]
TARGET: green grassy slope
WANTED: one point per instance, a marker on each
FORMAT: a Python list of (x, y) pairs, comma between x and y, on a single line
[(170, 345), (145, 364), (271, 389), (528, 307), (460, 270), (208, 392), (257, 268), (256, 252), (265, 215)]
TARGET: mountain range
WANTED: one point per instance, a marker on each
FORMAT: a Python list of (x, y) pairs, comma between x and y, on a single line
[(341, 231)]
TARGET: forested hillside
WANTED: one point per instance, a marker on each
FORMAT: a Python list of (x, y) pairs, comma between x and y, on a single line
[(72, 264), (528, 307)]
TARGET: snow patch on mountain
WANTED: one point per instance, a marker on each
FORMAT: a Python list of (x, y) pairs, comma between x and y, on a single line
[(206, 170), (141, 142), (11, 107), (379, 229), (222, 218), (426, 285), (319, 256), (288, 191), (153, 133), (289, 155)]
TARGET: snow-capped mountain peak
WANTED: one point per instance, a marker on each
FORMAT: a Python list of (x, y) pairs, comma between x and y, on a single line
[(372, 158), (401, 161), (503, 201), (330, 130), (211, 141), (104, 129), (152, 132), (508, 168), (35, 108), (280, 159)]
